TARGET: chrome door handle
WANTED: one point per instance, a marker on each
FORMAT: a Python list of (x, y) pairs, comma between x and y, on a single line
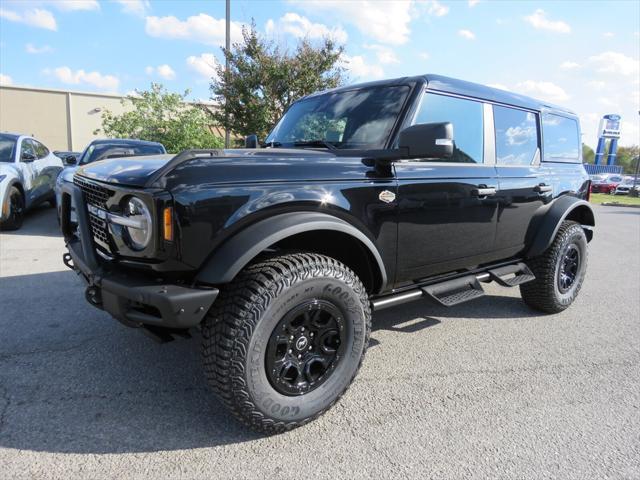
[(484, 191), (542, 188)]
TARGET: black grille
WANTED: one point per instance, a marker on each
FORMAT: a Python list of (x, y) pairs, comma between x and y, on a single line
[(96, 195)]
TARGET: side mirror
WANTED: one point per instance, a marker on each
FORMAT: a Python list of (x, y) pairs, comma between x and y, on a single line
[(427, 140), (27, 157), (251, 141), (70, 160)]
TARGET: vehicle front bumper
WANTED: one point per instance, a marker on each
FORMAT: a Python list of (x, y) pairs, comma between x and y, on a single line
[(135, 300)]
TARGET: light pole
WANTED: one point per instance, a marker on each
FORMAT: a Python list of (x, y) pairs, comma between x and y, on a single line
[(226, 68)]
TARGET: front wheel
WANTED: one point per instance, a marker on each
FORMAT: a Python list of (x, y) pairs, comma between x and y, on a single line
[(285, 339), (16, 210), (559, 271)]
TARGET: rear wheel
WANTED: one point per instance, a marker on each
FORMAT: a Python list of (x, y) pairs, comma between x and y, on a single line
[(16, 210), (559, 271), (284, 341)]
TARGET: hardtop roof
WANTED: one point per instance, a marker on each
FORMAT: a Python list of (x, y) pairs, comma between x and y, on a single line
[(440, 83)]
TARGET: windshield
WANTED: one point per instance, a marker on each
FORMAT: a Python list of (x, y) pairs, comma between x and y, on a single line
[(360, 119), (103, 151), (7, 148)]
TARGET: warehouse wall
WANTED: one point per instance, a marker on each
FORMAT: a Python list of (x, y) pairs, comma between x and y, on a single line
[(62, 120)]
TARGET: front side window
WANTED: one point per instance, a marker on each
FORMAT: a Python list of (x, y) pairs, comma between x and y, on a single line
[(467, 120), (561, 139), (352, 119), (516, 136), (41, 150), (27, 148)]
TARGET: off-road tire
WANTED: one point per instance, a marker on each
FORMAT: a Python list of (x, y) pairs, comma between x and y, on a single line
[(16, 210), (544, 293), (237, 329)]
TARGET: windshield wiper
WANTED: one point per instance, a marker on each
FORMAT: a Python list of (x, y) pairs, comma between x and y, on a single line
[(272, 145), (315, 143)]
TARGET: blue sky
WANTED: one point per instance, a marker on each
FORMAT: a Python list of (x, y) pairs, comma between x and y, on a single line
[(581, 54)]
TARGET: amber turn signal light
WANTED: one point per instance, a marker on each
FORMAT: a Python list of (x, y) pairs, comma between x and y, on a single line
[(168, 224)]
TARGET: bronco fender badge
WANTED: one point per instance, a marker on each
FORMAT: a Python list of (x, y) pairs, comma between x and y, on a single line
[(386, 196)]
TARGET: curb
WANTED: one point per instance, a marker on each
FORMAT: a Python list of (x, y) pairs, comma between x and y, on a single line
[(616, 204)]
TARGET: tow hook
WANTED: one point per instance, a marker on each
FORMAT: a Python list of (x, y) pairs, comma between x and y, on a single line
[(93, 296), (68, 261)]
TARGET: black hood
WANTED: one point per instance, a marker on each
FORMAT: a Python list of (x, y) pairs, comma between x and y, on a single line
[(229, 165)]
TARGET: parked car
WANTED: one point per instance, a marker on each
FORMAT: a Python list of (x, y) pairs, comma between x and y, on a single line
[(68, 158), (28, 171), (606, 184), (103, 149), (626, 186), (363, 197)]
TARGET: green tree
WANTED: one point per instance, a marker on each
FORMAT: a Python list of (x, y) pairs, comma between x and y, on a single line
[(160, 116), (264, 79), (626, 157), (588, 155)]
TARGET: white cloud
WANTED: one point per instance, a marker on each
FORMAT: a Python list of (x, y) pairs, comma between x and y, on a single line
[(80, 77), (424, 55), (204, 64), (569, 65), (538, 19), (435, 8), (164, 71), (607, 102), (597, 84), (34, 17), (301, 27), (385, 55), (473, 3), (468, 34), (135, 7), (544, 90), (608, 34), (5, 79), (359, 67), (385, 21), (70, 5), (615, 62), (201, 28), (31, 48)]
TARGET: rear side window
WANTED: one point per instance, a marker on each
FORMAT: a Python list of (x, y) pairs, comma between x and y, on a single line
[(467, 120), (561, 139), (516, 136)]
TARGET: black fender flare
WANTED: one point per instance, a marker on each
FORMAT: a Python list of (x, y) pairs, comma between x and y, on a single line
[(230, 258), (561, 209)]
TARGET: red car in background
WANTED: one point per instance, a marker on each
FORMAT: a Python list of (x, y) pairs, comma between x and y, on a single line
[(605, 183)]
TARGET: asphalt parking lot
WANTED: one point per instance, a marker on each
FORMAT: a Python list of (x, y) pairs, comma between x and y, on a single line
[(489, 389)]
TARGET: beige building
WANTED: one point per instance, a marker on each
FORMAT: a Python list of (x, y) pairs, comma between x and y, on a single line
[(61, 119)]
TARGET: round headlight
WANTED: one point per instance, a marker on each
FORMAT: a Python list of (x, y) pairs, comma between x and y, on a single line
[(139, 231)]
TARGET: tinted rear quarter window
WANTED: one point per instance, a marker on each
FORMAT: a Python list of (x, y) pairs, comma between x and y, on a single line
[(516, 136), (561, 139), (467, 119)]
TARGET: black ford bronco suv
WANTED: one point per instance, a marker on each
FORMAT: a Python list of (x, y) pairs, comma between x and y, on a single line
[(361, 198)]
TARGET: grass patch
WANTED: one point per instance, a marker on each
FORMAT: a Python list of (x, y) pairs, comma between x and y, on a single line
[(599, 198)]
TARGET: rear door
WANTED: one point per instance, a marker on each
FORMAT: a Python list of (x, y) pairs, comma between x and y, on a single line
[(524, 186), (447, 209)]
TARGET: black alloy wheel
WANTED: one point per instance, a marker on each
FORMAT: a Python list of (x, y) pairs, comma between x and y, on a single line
[(568, 268), (305, 347)]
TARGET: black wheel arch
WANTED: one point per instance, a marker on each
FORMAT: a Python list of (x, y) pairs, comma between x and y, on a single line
[(564, 208), (311, 231)]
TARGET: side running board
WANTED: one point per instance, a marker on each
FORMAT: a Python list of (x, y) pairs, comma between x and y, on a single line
[(462, 289), (521, 273), (453, 292)]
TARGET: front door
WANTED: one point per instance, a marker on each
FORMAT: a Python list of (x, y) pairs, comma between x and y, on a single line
[(447, 210)]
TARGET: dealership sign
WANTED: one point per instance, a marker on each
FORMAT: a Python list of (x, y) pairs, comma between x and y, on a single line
[(609, 126)]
